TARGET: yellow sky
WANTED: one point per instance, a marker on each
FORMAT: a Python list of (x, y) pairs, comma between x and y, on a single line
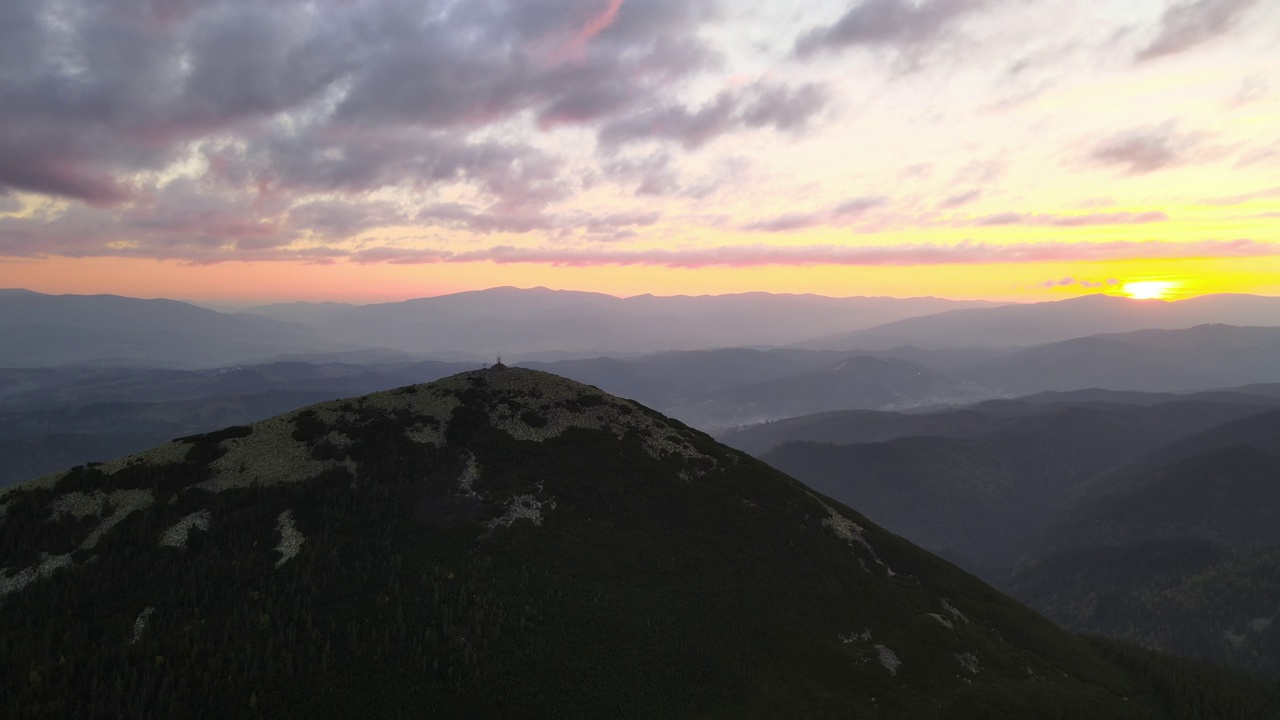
[(261, 282)]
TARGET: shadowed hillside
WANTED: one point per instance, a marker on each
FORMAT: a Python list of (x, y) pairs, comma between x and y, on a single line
[(500, 542)]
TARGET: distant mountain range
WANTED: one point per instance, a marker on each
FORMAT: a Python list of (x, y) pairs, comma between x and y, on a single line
[(527, 324), (547, 325), (506, 542), (44, 330), (1200, 357), (715, 390)]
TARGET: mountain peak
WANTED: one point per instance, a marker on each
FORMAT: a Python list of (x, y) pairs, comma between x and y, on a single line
[(500, 541)]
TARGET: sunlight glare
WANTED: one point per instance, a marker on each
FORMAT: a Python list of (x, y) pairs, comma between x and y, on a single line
[(1149, 289)]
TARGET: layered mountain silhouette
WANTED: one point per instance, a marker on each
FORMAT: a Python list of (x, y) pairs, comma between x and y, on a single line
[(1047, 322), (1203, 356), (539, 323), (974, 484), (510, 543), (861, 381), (1153, 520)]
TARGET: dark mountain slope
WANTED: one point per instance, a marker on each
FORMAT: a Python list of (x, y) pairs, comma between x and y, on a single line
[(1256, 430), (499, 543), (1230, 494), (1178, 550), (1096, 435), (950, 496), (981, 489), (1185, 595)]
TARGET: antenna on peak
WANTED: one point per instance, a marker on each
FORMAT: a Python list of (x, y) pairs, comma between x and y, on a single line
[(498, 365)]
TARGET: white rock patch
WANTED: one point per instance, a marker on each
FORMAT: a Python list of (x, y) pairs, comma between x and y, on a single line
[(889, 659), (48, 565), (849, 530), (864, 636), (521, 506), (969, 662), (140, 624), (943, 621), (290, 539), (176, 536), (269, 456), (946, 605), (120, 502), (470, 474)]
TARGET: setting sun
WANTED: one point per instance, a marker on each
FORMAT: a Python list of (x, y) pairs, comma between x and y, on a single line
[(1149, 289)]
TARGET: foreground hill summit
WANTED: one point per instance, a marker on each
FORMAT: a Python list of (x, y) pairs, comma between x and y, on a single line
[(501, 543)]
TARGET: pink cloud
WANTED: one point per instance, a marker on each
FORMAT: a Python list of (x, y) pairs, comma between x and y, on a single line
[(1055, 220), (576, 47)]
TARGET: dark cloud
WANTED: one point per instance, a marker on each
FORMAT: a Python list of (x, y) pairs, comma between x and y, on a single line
[(1143, 150), (1187, 24), (652, 174), (758, 105), (295, 102), (903, 24), (845, 212), (476, 62), (340, 219)]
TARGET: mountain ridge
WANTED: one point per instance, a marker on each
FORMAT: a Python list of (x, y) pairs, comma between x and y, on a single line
[(501, 541)]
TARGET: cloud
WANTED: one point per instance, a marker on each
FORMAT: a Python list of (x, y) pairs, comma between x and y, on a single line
[(903, 24), (1251, 90), (1187, 24), (964, 253), (760, 105), (575, 48), (960, 199), (1143, 150), (1058, 220), (652, 174), (1229, 200), (315, 97), (615, 221), (839, 214), (1071, 281)]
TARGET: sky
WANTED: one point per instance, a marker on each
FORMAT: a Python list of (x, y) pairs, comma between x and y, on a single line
[(364, 150)]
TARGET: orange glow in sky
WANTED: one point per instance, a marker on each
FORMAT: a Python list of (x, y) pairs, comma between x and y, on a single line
[(633, 147)]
